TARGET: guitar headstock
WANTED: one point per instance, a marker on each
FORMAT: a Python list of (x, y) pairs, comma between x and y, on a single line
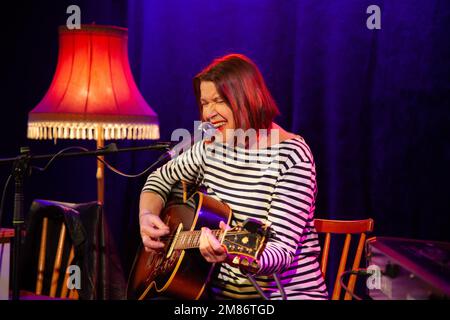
[(245, 241)]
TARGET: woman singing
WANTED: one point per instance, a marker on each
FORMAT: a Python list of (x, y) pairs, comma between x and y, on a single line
[(261, 171)]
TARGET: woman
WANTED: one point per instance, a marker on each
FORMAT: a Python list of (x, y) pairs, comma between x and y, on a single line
[(260, 170)]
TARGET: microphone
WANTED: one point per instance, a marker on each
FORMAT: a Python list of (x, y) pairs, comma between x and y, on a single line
[(204, 130)]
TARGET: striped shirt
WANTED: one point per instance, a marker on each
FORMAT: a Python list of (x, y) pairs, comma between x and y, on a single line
[(276, 185)]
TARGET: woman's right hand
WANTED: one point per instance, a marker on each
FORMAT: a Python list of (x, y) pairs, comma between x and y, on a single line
[(152, 227)]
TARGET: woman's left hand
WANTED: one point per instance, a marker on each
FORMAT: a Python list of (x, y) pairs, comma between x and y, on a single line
[(210, 247)]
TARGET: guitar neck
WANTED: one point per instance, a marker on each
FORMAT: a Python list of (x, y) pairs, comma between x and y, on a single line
[(191, 239)]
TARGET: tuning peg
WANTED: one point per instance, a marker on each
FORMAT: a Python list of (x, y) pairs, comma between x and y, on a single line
[(245, 262)]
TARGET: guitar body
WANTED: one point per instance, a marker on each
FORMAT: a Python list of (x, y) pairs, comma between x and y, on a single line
[(178, 274)]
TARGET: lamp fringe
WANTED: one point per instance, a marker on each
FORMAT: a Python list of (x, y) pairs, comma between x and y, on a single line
[(89, 131)]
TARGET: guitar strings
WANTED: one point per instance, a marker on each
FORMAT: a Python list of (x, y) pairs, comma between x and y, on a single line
[(196, 232)]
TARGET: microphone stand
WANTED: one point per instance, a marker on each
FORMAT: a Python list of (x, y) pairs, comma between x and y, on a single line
[(22, 169)]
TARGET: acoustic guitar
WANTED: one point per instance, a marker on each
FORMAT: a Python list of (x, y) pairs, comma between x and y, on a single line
[(179, 270)]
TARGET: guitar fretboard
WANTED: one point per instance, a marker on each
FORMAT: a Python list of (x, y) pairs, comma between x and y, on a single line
[(191, 239)]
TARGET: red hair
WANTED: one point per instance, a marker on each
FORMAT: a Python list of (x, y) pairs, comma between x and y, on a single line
[(241, 85)]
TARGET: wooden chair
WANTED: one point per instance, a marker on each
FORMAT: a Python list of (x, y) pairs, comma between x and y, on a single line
[(72, 234), (347, 228), (53, 272), (55, 279)]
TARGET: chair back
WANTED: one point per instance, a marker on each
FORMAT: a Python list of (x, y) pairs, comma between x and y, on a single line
[(62, 259), (347, 228)]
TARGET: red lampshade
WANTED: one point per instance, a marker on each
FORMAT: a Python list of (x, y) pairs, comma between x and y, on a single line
[(93, 89)]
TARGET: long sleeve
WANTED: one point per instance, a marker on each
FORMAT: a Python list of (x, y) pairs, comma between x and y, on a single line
[(276, 185), (189, 167), (291, 207)]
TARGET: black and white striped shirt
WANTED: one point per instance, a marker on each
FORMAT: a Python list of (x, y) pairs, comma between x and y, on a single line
[(276, 185)]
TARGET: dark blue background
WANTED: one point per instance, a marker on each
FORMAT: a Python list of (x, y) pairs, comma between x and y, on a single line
[(372, 104)]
